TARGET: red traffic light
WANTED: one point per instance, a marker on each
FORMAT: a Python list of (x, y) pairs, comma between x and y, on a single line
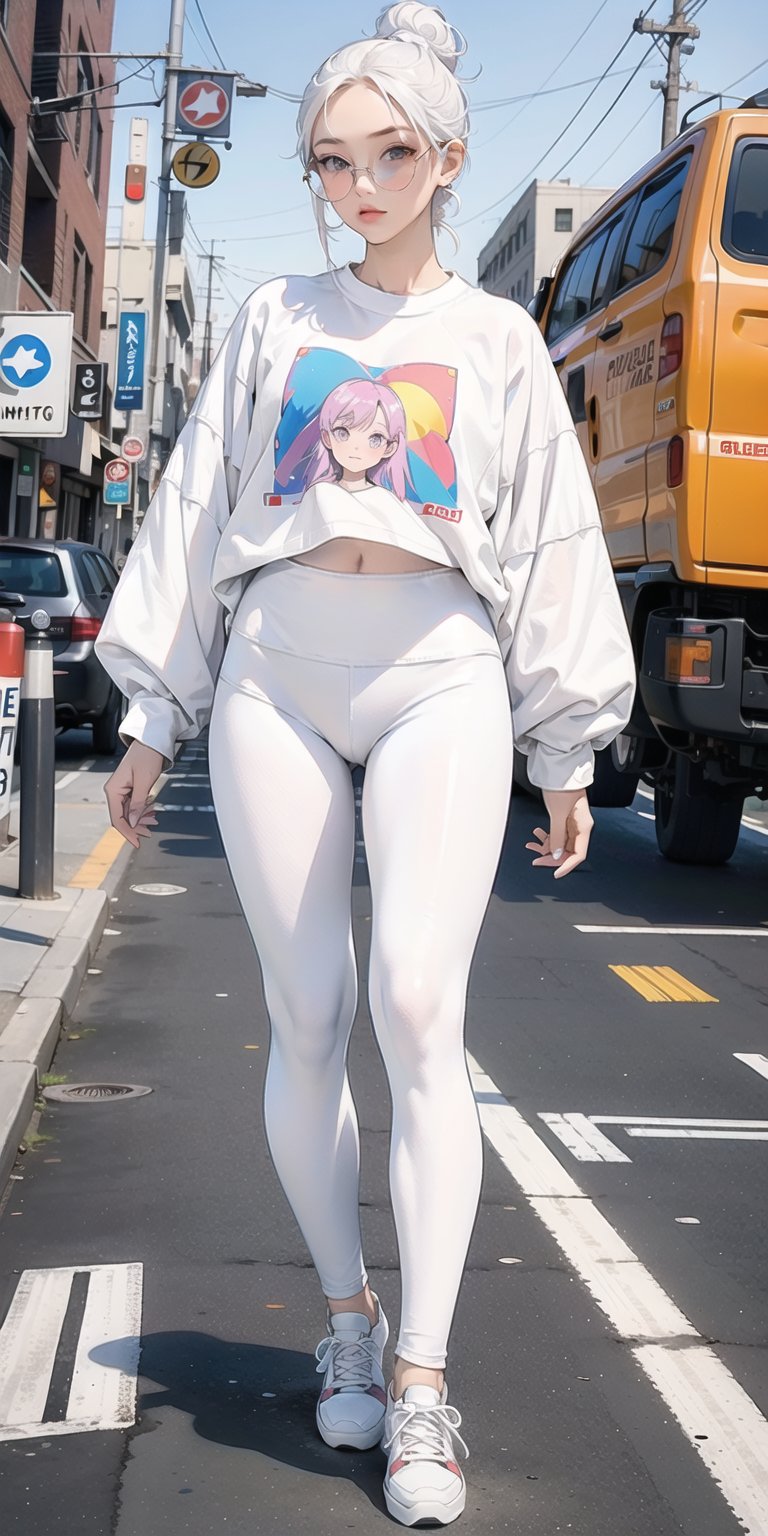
[(135, 183)]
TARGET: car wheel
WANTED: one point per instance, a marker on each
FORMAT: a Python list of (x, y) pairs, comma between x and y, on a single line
[(696, 822), (105, 738)]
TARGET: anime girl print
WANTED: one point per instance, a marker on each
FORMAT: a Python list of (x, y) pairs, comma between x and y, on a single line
[(355, 426)]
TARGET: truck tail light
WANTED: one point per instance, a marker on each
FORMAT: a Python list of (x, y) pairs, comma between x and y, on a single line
[(85, 628), (671, 350), (675, 461), (687, 660)]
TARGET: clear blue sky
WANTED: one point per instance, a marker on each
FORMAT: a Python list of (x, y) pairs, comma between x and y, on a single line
[(259, 208)]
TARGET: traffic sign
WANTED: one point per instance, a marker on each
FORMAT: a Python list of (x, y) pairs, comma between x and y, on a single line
[(116, 471), (35, 365), (133, 449), (204, 103), (196, 165), (117, 494)]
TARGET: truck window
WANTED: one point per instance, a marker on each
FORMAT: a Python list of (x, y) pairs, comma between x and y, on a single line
[(745, 220), (616, 233), (653, 225), (573, 299)]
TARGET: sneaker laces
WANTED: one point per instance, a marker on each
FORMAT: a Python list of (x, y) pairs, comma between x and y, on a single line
[(351, 1360), (424, 1439)]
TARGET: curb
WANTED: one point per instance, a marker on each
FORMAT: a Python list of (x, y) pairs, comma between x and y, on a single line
[(47, 1002)]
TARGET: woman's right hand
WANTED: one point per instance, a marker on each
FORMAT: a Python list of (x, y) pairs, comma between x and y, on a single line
[(127, 791)]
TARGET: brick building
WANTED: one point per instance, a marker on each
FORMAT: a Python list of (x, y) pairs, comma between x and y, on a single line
[(54, 181)]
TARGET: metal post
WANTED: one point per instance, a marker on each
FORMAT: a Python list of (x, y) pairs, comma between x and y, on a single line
[(38, 765), (11, 673), (157, 378), (205, 367)]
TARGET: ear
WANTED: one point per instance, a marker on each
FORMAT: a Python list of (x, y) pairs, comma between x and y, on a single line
[(455, 155)]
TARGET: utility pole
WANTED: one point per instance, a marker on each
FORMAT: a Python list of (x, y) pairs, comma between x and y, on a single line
[(156, 372), (205, 362), (680, 34)]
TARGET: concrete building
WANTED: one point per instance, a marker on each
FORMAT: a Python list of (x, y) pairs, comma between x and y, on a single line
[(54, 175), (533, 235), (128, 279)]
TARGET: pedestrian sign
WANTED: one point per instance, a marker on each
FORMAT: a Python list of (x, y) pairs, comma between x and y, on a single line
[(196, 165), (35, 365), (204, 103)]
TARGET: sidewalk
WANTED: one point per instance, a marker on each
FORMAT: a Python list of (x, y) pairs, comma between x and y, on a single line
[(47, 946)]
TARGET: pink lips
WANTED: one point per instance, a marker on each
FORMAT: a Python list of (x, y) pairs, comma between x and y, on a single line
[(371, 213)]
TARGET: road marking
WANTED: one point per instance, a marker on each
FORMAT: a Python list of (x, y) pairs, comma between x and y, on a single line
[(735, 1125), (661, 984), (689, 1377), (581, 1136), (731, 933), (680, 1133), (102, 1393), (100, 860), (757, 1063)]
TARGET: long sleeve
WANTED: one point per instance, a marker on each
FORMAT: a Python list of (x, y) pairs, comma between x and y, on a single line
[(563, 636), (163, 636)]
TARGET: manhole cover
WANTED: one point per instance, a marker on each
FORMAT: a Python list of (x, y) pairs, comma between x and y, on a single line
[(93, 1093)]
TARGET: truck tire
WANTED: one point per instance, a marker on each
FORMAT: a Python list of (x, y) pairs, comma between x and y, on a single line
[(696, 823), (612, 786)]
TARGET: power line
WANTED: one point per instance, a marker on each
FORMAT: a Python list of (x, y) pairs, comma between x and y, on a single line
[(606, 114), (622, 142), (529, 96), (551, 76), (209, 34), (525, 179), (204, 49)]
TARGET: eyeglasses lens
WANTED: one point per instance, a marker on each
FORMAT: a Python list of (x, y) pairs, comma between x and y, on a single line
[(332, 179)]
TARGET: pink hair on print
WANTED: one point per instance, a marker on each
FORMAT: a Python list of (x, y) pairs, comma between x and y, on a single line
[(354, 404)]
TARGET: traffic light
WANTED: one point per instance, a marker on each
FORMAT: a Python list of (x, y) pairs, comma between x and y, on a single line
[(135, 183)]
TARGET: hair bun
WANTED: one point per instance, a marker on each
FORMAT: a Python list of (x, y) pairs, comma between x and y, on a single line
[(425, 24)]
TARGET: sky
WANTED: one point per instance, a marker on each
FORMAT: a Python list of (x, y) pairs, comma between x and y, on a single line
[(531, 65)]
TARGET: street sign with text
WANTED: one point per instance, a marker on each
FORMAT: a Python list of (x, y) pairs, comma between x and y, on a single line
[(129, 384), (35, 365)]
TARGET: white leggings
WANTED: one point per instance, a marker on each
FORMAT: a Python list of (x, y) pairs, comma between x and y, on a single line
[(403, 673)]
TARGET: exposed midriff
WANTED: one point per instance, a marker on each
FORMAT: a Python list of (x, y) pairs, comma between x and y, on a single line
[(364, 557)]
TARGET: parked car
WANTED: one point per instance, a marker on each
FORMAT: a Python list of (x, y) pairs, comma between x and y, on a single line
[(73, 583)]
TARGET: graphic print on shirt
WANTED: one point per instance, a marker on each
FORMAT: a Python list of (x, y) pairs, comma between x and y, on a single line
[(358, 426)]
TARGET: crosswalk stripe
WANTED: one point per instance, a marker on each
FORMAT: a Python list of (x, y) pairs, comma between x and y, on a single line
[(661, 984), (102, 1394)]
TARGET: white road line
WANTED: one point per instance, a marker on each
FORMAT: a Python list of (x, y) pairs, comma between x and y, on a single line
[(757, 1063), (690, 1378), (731, 933), (583, 1139), (681, 1133), (729, 1125), (103, 1392), (162, 808)]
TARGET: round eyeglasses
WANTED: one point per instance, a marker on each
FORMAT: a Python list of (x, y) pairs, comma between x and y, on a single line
[(331, 178)]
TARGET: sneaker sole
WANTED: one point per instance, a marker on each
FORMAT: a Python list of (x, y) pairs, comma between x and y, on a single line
[(425, 1510), (354, 1440)]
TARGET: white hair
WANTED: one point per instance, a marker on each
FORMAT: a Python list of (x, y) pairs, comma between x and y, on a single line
[(411, 61)]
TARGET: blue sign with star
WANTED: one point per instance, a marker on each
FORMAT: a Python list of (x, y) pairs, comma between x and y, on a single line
[(25, 361)]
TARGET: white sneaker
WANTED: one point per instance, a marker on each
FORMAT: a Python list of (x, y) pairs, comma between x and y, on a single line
[(423, 1481), (352, 1404)]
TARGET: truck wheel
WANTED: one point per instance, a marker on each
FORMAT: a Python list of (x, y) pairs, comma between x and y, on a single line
[(105, 738), (612, 786), (695, 822)]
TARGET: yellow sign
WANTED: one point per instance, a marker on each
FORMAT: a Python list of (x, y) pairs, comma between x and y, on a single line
[(196, 165)]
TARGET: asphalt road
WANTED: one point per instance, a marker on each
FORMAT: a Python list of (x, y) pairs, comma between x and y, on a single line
[(614, 1377)]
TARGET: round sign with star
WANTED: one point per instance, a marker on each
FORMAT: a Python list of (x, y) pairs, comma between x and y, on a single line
[(203, 104), (25, 361)]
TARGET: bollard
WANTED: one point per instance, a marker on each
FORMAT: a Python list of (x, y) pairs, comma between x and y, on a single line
[(38, 764), (11, 673)]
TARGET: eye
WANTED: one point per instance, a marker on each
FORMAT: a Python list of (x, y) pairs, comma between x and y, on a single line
[(333, 163), (377, 440), (398, 152), (341, 434)]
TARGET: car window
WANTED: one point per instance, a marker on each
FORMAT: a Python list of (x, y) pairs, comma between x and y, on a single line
[(573, 299), (37, 572), (745, 223), (91, 574), (653, 225), (110, 574), (613, 241)]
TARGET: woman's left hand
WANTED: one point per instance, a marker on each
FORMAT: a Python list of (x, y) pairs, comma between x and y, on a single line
[(570, 824)]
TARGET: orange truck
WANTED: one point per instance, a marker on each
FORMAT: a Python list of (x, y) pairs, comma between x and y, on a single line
[(656, 319)]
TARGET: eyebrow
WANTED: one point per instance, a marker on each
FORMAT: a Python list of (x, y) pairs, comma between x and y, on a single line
[(381, 133)]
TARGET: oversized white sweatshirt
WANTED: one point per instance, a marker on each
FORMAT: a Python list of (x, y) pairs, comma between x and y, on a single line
[(472, 461)]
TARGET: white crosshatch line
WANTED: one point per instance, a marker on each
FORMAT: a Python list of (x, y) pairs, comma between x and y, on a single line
[(102, 1394), (583, 1138)]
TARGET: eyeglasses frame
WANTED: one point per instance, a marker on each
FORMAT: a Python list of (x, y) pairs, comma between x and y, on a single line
[(358, 170)]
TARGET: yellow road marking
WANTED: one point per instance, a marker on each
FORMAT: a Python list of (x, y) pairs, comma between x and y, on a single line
[(99, 861), (661, 984)]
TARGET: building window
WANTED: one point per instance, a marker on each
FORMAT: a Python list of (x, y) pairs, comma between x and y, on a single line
[(82, 285), (564, 220), (6, 185), (84, 83)]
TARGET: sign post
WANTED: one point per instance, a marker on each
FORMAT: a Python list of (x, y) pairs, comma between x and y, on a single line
[(35, 363), (129, 383), (117, 483)]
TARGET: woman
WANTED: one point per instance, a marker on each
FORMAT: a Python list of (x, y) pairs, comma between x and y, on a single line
[(375, 542)]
